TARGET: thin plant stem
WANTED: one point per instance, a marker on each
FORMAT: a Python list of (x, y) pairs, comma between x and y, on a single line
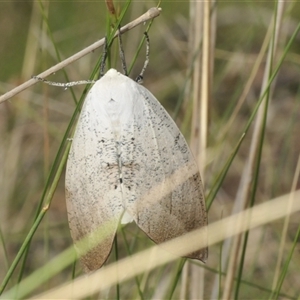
[(150, 14)]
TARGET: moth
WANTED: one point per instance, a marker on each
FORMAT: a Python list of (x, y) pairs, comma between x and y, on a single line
[(129, 162)]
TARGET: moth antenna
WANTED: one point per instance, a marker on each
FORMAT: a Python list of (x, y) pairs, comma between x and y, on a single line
[(139, 79), (103, 60), (122, 55), (64, 85)]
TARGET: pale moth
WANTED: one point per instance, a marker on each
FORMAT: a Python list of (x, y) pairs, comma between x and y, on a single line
[(129, 162)]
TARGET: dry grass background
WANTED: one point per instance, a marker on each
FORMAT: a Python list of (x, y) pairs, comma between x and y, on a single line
[(33, 123)]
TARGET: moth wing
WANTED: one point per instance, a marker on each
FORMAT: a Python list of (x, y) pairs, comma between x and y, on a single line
[(93, 192), (163, 187)]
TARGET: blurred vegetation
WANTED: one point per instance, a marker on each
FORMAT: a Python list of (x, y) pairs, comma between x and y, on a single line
[(33, 123)]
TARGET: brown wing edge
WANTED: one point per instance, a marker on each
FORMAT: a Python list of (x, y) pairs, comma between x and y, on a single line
[(91, 253), (201, 254), (96, 257)]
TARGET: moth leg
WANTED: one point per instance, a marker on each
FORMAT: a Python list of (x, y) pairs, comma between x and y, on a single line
[(122, 55), (64, 85), (103, 59), (139, 79)]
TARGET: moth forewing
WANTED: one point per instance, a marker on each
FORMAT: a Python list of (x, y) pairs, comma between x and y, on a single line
[(128, 158)]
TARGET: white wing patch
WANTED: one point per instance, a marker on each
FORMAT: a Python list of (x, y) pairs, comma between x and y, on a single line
[(129, 161)]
